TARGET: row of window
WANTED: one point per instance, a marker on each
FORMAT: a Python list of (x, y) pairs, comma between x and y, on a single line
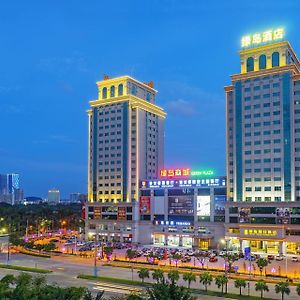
[(118, 192), (265, 160), (262, 62), (107, 112), (265, 132), (259, 170), (265, 142), (266, 189), (263, 86), (259, 115), (266, 123), (112, 91)]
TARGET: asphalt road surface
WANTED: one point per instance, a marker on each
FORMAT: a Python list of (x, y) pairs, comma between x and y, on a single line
[(66, 269)]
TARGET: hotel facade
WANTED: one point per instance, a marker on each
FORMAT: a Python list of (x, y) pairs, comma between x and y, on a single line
[(263, 148), (126, 144)]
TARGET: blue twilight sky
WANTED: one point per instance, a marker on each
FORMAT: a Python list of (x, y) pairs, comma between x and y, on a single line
[(53, 52)]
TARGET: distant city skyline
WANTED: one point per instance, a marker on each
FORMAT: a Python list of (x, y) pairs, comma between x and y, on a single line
[(54, 55)]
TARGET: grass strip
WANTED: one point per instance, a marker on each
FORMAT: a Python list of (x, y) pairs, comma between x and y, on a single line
[(114, 280), (27, 269), (148, 284), (34, 254)]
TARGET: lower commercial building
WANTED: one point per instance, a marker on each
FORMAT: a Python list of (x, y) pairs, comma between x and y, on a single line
[(176, 212), (272, 228)]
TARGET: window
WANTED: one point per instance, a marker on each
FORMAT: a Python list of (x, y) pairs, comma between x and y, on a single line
[(120, 89), (275, 59), (250, 64), (112, 91), (104, 93), (262, 62)]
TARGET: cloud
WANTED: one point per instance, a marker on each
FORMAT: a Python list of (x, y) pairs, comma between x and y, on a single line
[(55, 139), (181, 107), (74, 62)]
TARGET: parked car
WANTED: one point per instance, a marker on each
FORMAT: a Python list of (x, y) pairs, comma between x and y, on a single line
[(279, 257), (295, 259), (213, 259), (270, 257)]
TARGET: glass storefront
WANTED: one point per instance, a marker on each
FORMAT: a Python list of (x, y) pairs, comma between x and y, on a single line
[(173, 240), (187, 241), (204, 244), (292, 248), (269, 247), (159, 239)]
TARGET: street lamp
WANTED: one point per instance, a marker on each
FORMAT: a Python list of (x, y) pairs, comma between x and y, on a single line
[(224, 242)]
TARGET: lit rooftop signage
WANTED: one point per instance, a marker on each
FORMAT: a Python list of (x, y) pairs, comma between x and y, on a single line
[(175, 173), (185, 173), (202, 173), (263, 37)]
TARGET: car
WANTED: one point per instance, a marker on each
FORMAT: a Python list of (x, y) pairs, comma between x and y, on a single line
[(186, 259), (213, 259), (222, 253), (270, 257), (295, 259), (279, 257)]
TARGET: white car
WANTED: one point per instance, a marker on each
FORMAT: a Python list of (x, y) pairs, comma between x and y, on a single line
[(279, 257), (295, 259)]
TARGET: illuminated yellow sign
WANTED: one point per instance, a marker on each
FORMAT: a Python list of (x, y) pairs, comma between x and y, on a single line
[(260, 232), (264, 37)]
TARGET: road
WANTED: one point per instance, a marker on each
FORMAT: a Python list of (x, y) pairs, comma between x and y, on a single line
[(66, 269)]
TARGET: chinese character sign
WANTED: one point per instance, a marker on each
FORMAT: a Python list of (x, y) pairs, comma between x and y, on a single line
[(174, 173), (264, 37)]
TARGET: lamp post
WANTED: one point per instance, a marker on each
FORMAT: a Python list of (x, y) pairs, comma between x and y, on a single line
[(224, 242), (96, 250)]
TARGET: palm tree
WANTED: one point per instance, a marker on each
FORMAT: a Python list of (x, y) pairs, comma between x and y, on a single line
[(201, 258), (262, 263), (173, 276), (143, 273), (262, 287), (297, 289), (130, 254), (282, 288), (108, 251), (239, 284), (176, 257), (220, 281), (158, 275), (189, 277), (206, 279)]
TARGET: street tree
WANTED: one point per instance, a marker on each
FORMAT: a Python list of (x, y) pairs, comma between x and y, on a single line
[(239, 284), (201, 258), (176, 257), (262, 287), (173, 276), (189, 277), (262, 263), (158, 275), (143, 273), (298, 289), (131, 254), (206, 279), (220, 281), (108, 251), (282, 288)]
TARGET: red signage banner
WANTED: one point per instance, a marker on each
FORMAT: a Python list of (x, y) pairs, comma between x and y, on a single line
[(121, 213), (175, 173), (97, 213), (145, 206)]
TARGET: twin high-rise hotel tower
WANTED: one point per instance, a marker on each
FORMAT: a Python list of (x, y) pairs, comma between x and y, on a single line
[(133, 198)]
